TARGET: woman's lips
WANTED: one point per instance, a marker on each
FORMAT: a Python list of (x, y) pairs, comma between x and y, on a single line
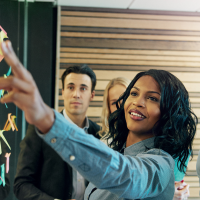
[(136, 115)]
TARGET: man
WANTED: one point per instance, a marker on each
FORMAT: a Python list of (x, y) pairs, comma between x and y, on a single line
[(41, 172)]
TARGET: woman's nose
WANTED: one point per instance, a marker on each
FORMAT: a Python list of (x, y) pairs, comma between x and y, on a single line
[(139, 102)]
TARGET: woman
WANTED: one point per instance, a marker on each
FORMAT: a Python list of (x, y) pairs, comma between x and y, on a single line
[(153, 126), (115, 88)]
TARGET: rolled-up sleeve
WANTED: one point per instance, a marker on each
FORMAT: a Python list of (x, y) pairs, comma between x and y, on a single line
[(141, 176)]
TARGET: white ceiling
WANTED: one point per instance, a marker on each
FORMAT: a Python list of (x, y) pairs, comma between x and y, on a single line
[(165, 5), (170, 5), (124, 4)]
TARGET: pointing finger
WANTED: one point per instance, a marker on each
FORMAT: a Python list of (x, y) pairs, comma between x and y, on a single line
[(12, 82), (12, 60)]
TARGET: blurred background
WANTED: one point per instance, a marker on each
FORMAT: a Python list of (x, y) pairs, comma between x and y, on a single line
[(115, 38)]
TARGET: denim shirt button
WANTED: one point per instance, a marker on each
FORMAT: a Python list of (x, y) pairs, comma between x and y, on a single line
[(72, 157), (53, 140)]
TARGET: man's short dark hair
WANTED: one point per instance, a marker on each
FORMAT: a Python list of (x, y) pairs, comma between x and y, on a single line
[(80, 69)]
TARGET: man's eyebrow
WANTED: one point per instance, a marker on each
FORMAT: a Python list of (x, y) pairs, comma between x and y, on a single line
[(70, 84), (83, 85), (148, 91)]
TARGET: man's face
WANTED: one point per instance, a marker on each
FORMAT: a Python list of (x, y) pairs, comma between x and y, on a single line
[(77, 94)]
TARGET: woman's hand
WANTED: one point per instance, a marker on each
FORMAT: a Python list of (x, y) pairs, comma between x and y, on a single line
[(181, 191), (24, 93)]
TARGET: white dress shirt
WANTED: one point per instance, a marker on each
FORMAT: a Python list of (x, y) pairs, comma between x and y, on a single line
[(78, 181)]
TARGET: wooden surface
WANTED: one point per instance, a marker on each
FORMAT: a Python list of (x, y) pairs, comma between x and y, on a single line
[(117, 44)]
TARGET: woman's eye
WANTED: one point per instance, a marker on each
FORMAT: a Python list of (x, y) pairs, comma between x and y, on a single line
[(134, 93), (114, 103), (153, 99)]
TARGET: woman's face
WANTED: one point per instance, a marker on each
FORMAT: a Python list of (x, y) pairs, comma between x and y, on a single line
[(142, 107), (113, 95)]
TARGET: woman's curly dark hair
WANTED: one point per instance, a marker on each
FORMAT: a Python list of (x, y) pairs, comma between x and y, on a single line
[(175, 130)]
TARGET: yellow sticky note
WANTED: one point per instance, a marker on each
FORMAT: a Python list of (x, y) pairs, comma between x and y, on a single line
[(3, 35), (10, 123), (4, 139)]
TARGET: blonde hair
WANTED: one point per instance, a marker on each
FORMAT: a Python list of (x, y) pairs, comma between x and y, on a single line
[(106, 110)]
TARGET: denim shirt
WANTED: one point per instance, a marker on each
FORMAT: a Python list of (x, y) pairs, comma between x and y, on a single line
[(138, 174)]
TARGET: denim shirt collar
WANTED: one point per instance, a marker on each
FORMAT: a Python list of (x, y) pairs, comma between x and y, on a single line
[(139, 147)]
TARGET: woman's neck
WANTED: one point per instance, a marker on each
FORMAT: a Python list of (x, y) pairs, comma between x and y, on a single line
[(133, 138)]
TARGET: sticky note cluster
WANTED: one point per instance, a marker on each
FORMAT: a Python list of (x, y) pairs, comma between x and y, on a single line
[(10, 123)]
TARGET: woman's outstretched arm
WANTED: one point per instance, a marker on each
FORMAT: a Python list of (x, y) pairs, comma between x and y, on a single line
[(145, 175)]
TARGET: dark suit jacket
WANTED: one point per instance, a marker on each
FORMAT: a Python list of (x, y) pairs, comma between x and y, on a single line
[(4, 190), (41, 172)]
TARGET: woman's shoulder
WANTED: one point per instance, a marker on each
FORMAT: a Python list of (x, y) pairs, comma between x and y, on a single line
[(158, 155)]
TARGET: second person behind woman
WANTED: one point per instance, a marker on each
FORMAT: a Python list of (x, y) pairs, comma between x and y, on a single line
[(112, 92)]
